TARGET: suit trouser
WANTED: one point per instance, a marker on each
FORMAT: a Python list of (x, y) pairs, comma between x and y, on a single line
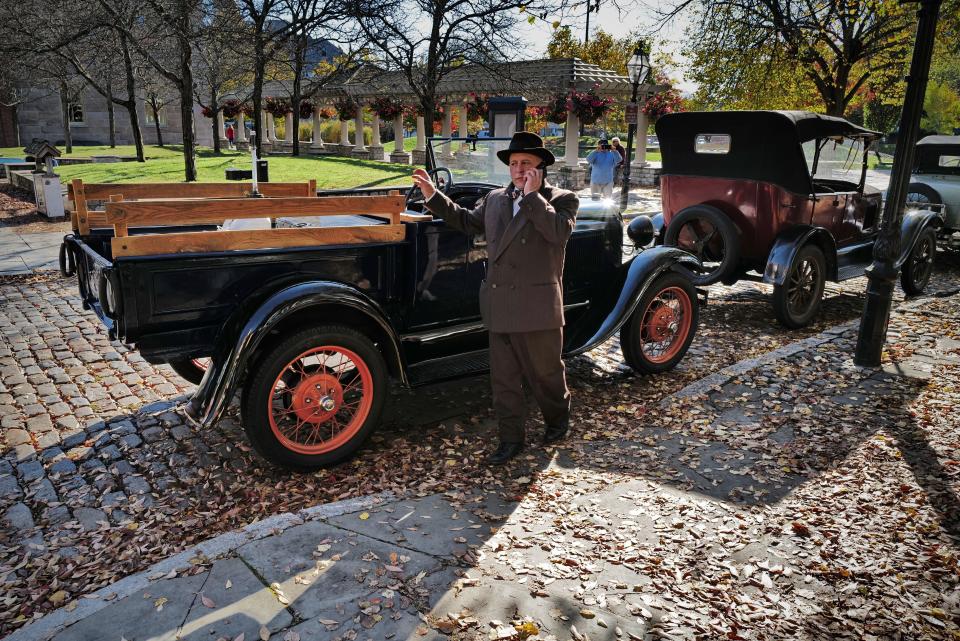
[(534, 358)]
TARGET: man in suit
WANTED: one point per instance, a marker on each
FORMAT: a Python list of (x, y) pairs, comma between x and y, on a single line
[(527, 224)]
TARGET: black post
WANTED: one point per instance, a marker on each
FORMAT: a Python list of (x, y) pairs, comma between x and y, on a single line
[(631, 128), (882, 274)]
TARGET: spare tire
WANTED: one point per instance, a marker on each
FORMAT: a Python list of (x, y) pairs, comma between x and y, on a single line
[(707, 233)]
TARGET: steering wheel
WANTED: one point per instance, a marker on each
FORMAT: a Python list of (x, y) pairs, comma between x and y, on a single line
[(442, 178)]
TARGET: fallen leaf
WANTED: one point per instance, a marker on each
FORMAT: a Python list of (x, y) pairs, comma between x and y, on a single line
[(264, 633), (207, 601)]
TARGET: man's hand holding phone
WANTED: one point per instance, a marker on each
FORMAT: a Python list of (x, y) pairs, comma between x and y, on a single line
[(534, 180), (422, 180)]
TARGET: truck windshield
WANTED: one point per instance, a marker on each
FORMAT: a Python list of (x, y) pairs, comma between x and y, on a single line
[(472, 159), (836, 160)]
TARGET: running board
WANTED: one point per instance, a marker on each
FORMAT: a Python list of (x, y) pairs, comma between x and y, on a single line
[(449, 367)]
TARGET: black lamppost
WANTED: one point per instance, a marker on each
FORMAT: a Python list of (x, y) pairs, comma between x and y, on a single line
[(882, 273), (637, 68)]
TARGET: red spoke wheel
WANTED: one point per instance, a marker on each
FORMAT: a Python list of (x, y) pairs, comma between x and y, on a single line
[(707, 233), (313, 399), (191, 369), (662, 326)]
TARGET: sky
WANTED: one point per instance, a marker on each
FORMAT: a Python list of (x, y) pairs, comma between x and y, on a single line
[(638, 18)]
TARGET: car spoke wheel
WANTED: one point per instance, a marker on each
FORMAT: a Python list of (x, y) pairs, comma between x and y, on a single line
[(314, 398), (709, 235), (320, 400), (191, 369), (662, 326), (917, 269), (797, 300)]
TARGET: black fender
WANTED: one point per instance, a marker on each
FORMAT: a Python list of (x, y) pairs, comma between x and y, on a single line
[(642, 270), (234, 351), (788, 244), (914, 223)]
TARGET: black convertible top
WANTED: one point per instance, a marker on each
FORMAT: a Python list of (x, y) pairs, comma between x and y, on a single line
[(929, 151), (764, 145)]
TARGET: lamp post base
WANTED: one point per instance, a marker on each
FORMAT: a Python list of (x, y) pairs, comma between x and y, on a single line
[(881, 281)]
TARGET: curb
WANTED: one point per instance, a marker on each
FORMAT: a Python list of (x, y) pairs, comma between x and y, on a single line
[(50, 624)]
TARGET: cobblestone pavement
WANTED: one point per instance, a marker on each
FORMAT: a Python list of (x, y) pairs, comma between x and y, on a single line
[(100, 472)]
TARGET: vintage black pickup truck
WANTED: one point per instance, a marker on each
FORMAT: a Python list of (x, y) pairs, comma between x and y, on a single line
[(309, 317)]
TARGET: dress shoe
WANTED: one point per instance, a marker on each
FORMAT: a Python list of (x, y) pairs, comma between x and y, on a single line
[(504, 453), (555, 433)]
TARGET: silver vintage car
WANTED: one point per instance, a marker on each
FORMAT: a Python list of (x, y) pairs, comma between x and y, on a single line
[(936, 181)]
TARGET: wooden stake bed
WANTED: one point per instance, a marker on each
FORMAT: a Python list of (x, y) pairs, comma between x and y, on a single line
[(165, 205)]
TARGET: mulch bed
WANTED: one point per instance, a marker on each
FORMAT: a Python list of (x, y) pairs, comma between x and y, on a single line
[(19, 212)]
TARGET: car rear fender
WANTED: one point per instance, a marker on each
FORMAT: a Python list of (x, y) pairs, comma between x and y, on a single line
[(244, 334), (914, 223), (641, 272), (788, 244)]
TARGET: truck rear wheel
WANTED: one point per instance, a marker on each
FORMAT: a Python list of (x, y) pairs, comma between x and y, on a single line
[(662, 326), (314, 398)]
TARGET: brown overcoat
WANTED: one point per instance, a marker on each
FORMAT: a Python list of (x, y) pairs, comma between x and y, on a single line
[(523, 289)]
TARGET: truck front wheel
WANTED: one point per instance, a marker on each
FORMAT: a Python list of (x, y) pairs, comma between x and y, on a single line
[(662, 327), (313, 399)]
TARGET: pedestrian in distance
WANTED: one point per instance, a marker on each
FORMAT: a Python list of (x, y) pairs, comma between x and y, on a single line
[(617, 147), (527, 224), (603, 163), (230, 135)]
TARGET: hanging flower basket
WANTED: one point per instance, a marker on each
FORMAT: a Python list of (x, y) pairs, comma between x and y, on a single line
[(478, 106), (207, 112), (588, 105), (326, 113), (346, 108), (387, 108), (665, 102), (232, 108), (248, 109), (556, 110), (306, 109), (277, 106)]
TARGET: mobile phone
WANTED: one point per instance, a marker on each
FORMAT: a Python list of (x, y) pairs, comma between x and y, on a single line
[(543, 170)]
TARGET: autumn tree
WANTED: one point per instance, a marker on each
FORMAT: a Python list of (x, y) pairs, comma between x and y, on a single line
[(603, 50), (425, 40), (838, 49)]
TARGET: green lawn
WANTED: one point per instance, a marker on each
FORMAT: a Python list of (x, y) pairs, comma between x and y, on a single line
[(330, 172), (85, 151)]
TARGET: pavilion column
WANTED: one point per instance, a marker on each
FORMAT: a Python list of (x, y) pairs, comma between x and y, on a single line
[(272, 124), (464, 147), (358, 147), (345, 145), (288, 132), (640, 142), (317, 142), (264, 131), (420, 150), (445, 131), (240, 131), (398, 155), (571, 175), (376, 147)]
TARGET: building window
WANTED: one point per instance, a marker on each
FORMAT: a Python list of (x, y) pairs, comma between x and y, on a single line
[(161, 116), (75, 112)]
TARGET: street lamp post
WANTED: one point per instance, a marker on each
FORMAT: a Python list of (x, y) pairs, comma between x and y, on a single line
[(882, 273), (637, 68)]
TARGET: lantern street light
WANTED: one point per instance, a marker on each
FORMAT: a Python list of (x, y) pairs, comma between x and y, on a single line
[(637, 68), (883, 272)]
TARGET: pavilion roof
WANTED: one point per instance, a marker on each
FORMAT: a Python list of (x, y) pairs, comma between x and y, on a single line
[(537, 80)]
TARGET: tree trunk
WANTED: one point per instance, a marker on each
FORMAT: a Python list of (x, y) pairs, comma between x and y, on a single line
[(132, 98), (216, 121), (156, 123), (186, 110), (258, 73), (111, 117), (64, 110)]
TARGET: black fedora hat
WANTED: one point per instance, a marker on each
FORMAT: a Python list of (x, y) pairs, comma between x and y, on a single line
[(528, 143)]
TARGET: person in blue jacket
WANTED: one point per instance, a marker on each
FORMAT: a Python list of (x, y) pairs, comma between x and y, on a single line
[(603, 163)]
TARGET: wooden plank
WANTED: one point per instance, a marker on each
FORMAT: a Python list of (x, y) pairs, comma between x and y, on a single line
[(404, 217), (82, 222), (182, 212), (246, 239), (312, 188), (137, 191), (120, 228)]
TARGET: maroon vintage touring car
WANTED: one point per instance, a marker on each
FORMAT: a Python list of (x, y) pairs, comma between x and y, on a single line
[(780, 196)]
